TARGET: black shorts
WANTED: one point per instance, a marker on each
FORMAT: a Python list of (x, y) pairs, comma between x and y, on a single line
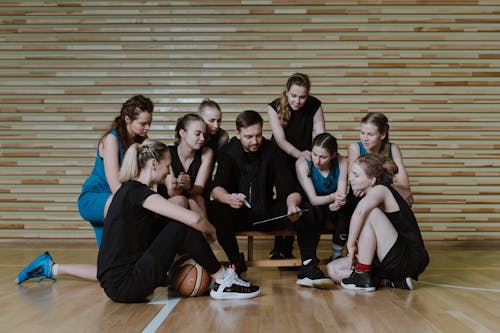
[(401, 261)]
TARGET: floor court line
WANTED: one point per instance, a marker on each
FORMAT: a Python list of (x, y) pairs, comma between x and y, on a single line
[(160, 317), (171, 303), (457, 287)]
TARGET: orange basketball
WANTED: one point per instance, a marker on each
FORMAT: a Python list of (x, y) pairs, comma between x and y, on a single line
[(188, 278)]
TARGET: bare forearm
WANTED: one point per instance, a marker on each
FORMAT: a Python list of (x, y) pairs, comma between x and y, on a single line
[(221, 195), (195, 190)]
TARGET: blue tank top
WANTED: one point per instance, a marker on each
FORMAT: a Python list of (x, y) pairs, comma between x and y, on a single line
[(324, 185), (362, 151), (97, 177)]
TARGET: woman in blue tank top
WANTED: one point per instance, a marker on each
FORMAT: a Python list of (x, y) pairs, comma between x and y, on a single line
[(374, 138), (131, 126), (324, 180)]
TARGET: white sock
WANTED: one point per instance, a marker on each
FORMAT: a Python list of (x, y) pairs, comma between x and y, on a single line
[(55, 268), (221, 274)]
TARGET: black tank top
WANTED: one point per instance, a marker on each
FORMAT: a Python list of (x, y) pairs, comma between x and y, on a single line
[(177, 166)]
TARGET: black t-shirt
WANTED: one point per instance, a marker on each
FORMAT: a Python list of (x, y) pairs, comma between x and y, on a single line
[(257, 175), (299, 129), (128, 231)]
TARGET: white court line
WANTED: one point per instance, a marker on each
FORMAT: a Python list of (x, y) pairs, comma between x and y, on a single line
[(162, 315), (458, 287)]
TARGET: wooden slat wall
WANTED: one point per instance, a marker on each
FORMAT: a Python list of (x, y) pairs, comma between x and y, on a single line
[(432, 66)]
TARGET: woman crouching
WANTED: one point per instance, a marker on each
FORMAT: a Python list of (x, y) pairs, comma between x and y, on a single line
[(384, 245)]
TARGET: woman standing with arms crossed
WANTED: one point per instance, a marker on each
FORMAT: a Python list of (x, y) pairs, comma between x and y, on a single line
[(131, 126), (293, 118)]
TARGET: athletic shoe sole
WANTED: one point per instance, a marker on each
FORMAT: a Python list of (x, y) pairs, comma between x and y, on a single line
[(317, 283), (409, 282), (354, 287), (227, 295)]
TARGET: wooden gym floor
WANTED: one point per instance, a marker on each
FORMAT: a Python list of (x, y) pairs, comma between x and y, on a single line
[(459, 292)]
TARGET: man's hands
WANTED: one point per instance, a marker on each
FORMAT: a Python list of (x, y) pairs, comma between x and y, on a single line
[(236, 200)]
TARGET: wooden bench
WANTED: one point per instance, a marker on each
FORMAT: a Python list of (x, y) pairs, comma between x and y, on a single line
[(250, 236)]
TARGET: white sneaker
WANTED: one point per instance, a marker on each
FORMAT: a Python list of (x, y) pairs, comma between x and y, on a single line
[(230, 286)]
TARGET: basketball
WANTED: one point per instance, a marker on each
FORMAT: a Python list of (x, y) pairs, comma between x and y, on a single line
[(188, 278)]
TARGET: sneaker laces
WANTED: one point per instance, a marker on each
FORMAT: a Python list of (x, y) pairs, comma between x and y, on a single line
[(237, 278), (231, 279)]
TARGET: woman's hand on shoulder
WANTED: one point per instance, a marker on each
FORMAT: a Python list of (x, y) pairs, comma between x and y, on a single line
[(306, 154)]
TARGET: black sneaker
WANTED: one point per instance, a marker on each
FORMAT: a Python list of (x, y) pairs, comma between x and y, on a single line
[(311, 276), (232, 287), (404, 283), (276, 255), (359, 281)]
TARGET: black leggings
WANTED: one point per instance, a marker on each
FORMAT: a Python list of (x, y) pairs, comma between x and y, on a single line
[(339, 218), (150, 270)]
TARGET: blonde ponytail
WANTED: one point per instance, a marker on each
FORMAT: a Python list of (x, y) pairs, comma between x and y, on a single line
[(138, 155), (130, 168)]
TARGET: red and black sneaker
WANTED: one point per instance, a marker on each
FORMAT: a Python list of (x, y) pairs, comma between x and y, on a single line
[(230, 286)]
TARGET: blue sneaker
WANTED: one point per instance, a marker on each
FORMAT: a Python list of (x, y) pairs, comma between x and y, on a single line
[(40, 268)]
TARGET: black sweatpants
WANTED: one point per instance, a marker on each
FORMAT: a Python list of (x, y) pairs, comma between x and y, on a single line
[(140, 279), (228, 221)]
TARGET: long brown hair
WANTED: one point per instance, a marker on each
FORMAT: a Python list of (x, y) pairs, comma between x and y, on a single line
[(382, 123), (284, 110), (131, 108)]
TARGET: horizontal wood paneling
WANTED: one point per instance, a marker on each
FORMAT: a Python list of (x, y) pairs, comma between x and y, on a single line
[(433, 67)]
